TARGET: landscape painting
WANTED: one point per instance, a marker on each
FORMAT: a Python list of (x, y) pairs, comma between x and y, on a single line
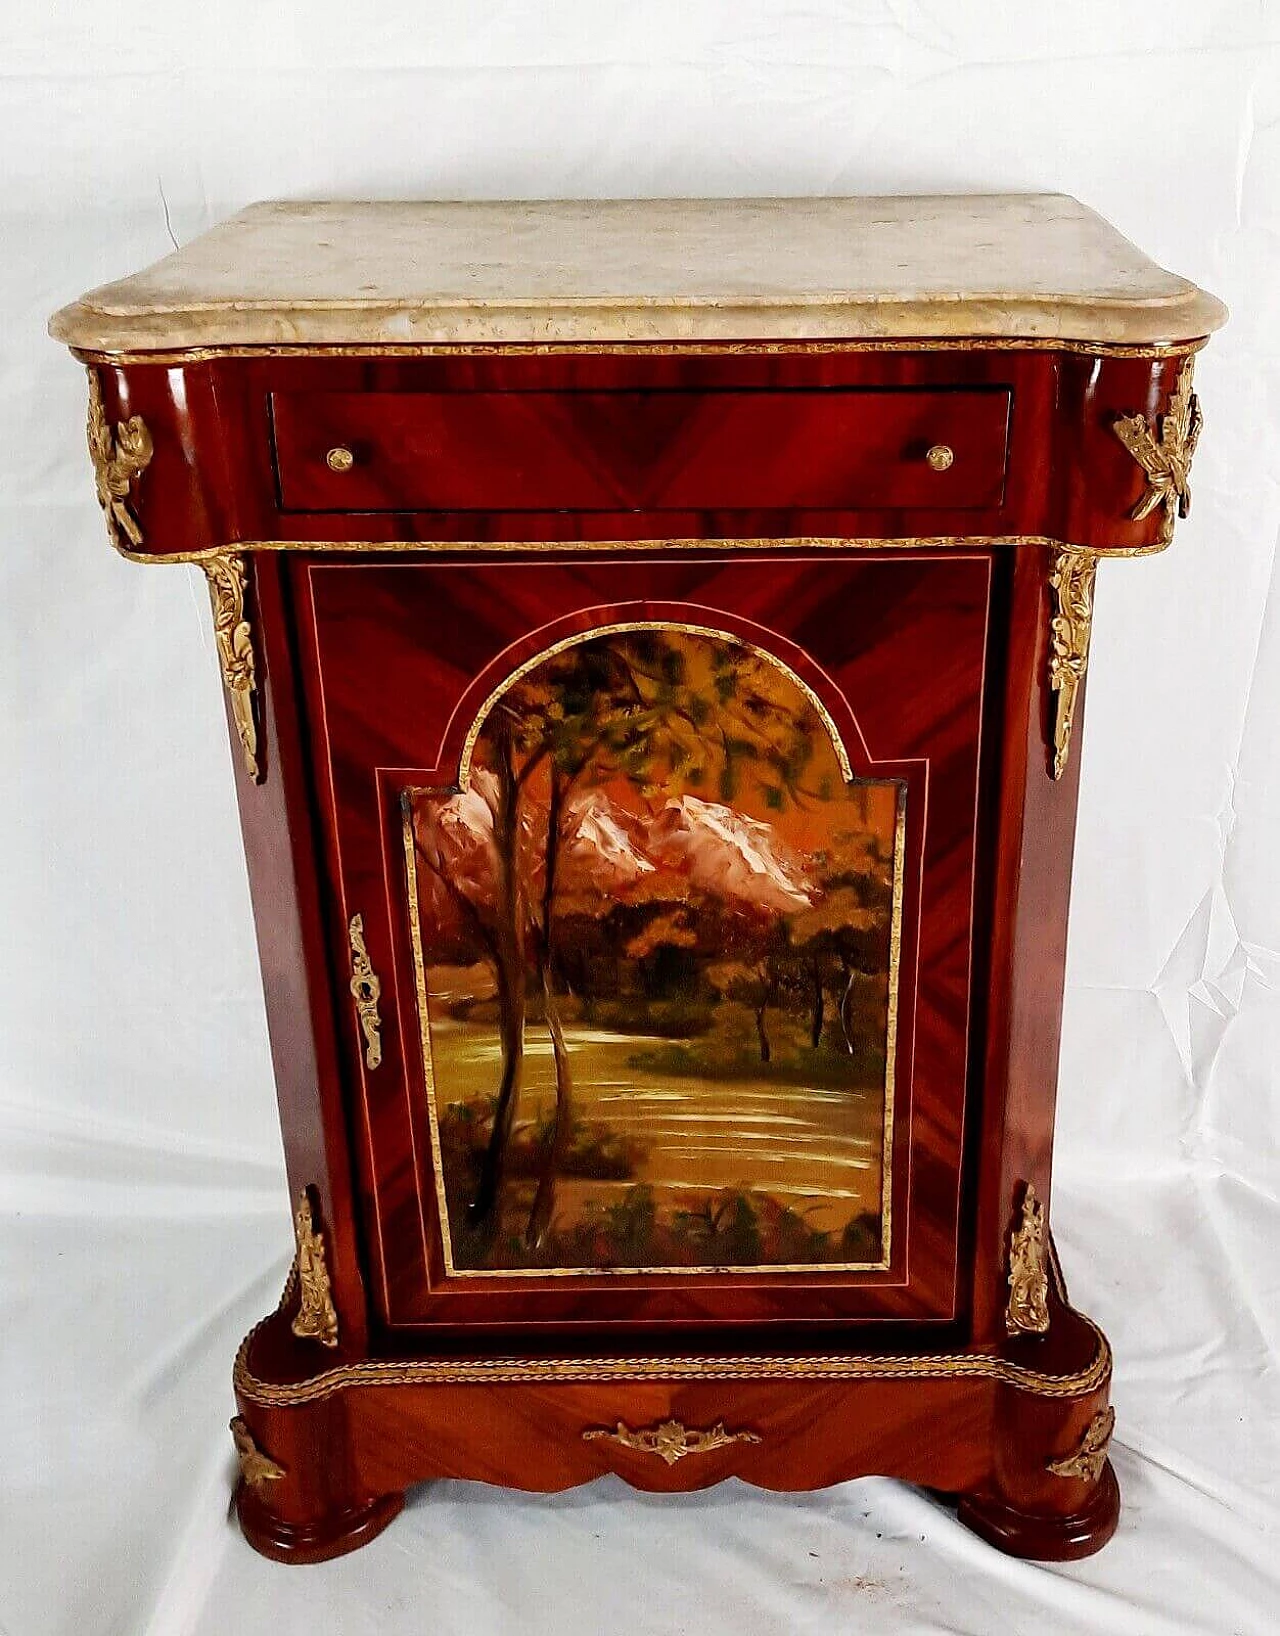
[(656, 932)]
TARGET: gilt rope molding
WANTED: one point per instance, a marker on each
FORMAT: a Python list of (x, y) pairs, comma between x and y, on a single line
[(478, 1371), (671, 542), (171, 356)]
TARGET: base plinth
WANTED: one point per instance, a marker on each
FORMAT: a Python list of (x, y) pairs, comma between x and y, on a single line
[(1009, 1430), (1041, 1536), (318, 1541)]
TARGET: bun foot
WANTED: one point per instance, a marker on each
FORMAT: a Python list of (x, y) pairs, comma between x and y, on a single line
[(317, 1539), (1043, 1536)]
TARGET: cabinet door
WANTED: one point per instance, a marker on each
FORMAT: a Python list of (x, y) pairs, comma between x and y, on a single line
[(653, 901)]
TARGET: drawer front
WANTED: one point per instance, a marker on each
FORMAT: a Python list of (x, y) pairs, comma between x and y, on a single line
[(673, 861), (641, 450)]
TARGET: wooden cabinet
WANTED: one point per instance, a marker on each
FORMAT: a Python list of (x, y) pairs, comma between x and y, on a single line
[(657, 731)]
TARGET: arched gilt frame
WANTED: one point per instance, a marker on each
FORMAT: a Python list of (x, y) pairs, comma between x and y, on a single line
[(525, 667)]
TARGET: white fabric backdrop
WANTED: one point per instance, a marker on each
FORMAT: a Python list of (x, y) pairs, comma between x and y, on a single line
[(143, 1223)]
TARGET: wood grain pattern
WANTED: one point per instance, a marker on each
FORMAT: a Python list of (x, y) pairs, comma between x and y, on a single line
[(668, 449)]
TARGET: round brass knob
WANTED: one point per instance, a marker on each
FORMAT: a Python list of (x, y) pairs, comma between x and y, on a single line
[(940, 457), (339, 459)]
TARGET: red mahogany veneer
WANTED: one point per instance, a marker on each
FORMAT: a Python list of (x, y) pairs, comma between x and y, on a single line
[(657, 723)]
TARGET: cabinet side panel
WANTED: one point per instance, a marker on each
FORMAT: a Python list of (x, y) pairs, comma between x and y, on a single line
[(1034, 837), (280, 848)]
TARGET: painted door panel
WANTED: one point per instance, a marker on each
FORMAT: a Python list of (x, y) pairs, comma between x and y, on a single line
[(791, 798)]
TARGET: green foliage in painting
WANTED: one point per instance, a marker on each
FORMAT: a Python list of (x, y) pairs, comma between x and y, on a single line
[(659, 1019)]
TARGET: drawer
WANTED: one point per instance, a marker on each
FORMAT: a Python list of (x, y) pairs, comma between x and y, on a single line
[(656, 450)]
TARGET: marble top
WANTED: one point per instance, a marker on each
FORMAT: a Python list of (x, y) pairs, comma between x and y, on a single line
[(1032, 266)]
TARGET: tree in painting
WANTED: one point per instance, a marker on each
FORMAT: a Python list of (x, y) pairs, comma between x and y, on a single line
[(655, 833), (838, 939)]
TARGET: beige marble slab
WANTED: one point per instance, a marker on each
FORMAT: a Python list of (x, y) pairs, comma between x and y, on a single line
[(1013, 265)]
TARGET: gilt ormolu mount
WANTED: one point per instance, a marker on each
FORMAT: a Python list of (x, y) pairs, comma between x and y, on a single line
[(654, 637)]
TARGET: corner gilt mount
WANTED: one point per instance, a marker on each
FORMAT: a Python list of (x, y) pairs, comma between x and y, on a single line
[(1028, 1309), (1165, 454), (1071, 580), (1090, 1455), (316, 1318), (256, 1467), (226, 574), (119, 455)]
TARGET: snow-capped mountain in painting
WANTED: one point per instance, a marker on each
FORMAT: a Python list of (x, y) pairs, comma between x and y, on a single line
[(604, 844), (608, 848), (729, 855)]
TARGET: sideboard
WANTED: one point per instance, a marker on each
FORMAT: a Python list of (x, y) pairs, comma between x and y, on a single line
[(654, 642)]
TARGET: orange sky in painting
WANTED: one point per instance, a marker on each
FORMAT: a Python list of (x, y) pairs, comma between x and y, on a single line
[(806, 826)]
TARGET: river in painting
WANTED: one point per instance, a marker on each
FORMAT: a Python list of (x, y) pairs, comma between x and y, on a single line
[(656, 929)]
